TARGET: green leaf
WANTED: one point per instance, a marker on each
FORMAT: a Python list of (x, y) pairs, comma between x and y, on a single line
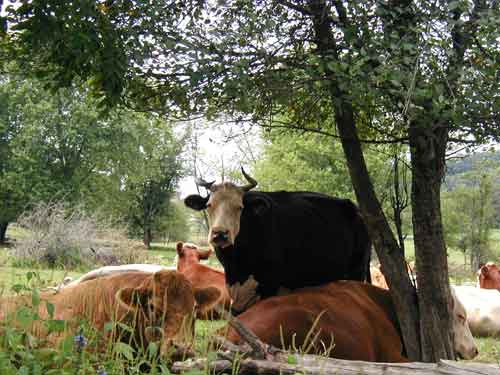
[(292, 359), (35, 297), (24, 316), (124, 349), (50, 309), (56, 325)]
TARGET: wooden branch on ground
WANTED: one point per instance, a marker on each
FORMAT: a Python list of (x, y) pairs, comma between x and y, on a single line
[(263, 359), (316, 365), (260, 350)]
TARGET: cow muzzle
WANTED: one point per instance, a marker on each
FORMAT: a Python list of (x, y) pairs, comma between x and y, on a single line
[(220, 238)]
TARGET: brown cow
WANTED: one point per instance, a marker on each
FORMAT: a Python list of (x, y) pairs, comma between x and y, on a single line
[(157, 306), (199, 275), (351, 320), (488, 276)]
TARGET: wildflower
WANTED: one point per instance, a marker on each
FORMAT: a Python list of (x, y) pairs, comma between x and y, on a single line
[(80, 341), (102, 372)]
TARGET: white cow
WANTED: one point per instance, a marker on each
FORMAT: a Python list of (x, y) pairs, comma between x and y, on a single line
[(483, 309), (108, 270)]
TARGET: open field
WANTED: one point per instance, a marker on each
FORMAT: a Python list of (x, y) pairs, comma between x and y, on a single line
[(165, 254)]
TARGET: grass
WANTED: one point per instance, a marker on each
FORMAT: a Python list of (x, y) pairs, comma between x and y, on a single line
[(489, 349), (165, 254)]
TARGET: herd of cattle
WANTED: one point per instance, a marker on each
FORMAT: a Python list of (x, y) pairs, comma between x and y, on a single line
[(296, 272)]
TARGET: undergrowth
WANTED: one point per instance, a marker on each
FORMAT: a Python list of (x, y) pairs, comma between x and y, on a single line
[(74, 351)]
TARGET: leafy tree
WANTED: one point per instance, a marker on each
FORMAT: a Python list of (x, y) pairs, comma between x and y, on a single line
[(151, 183), (468, 219), (51, 144), (293, 161), (58, 146), (422, 74), (175, 224)]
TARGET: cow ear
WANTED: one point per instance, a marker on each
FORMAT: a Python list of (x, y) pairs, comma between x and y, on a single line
[(180, 247), (196, 202), (206, 298), (133, 298), (484, 270), (204, 254)]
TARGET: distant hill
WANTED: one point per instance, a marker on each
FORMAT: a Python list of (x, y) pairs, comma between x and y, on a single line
[(472, 162)]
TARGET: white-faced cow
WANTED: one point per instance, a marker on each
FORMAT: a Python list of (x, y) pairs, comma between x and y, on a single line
[(270, 241)]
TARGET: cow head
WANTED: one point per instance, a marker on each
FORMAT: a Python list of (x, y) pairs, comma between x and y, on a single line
[(489, 276), (224, 205), (463, 342), (190, 254), (163, 307)]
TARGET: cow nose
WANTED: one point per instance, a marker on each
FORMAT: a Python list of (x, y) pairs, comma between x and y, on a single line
[(220, 235)]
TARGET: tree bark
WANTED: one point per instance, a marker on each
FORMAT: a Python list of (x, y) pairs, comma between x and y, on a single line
[(148, 237), (427, 147), (390, 255), (3, 231)]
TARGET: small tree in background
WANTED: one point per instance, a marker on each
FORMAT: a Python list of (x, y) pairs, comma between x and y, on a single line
[(468, 219), (150, 185)]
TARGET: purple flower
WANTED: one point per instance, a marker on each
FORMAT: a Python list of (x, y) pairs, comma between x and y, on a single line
[(80, 341)]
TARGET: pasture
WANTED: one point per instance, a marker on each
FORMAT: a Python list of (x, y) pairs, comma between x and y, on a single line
[(12, 278)]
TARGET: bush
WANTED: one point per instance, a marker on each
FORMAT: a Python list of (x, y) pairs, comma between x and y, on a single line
[(60, 237)]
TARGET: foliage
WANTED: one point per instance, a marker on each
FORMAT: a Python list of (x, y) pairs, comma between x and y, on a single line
[(174, 224), (292, 161), (152, 180), (260, 59), (463, 173), (58, 146), (468, 219)]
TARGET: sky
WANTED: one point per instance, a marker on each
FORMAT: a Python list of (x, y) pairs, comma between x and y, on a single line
[(217, 147)]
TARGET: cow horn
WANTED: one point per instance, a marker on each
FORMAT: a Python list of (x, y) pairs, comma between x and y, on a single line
[(252, 182), (203, 183)]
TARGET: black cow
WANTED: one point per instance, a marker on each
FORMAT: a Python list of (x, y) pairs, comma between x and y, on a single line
[(267, 241)]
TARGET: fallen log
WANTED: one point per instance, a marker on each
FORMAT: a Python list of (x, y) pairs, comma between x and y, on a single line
[(258, 358), (315, 365)]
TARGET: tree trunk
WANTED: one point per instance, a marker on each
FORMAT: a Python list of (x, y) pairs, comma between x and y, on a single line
[(427, 147), (147, 237), (388, 251), (3, 231)]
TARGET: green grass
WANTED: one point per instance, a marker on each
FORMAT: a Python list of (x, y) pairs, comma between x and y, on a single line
[(166, 253), (10, 276), (489, 350)]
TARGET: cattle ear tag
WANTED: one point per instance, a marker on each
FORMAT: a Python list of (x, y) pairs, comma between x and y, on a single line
[(206, 297)]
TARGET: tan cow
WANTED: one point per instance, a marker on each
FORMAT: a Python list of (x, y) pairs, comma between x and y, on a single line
[(156, 306), (488, 276), (188, 263)]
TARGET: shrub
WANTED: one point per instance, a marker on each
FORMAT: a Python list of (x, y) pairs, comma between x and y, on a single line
[(72, 238)]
